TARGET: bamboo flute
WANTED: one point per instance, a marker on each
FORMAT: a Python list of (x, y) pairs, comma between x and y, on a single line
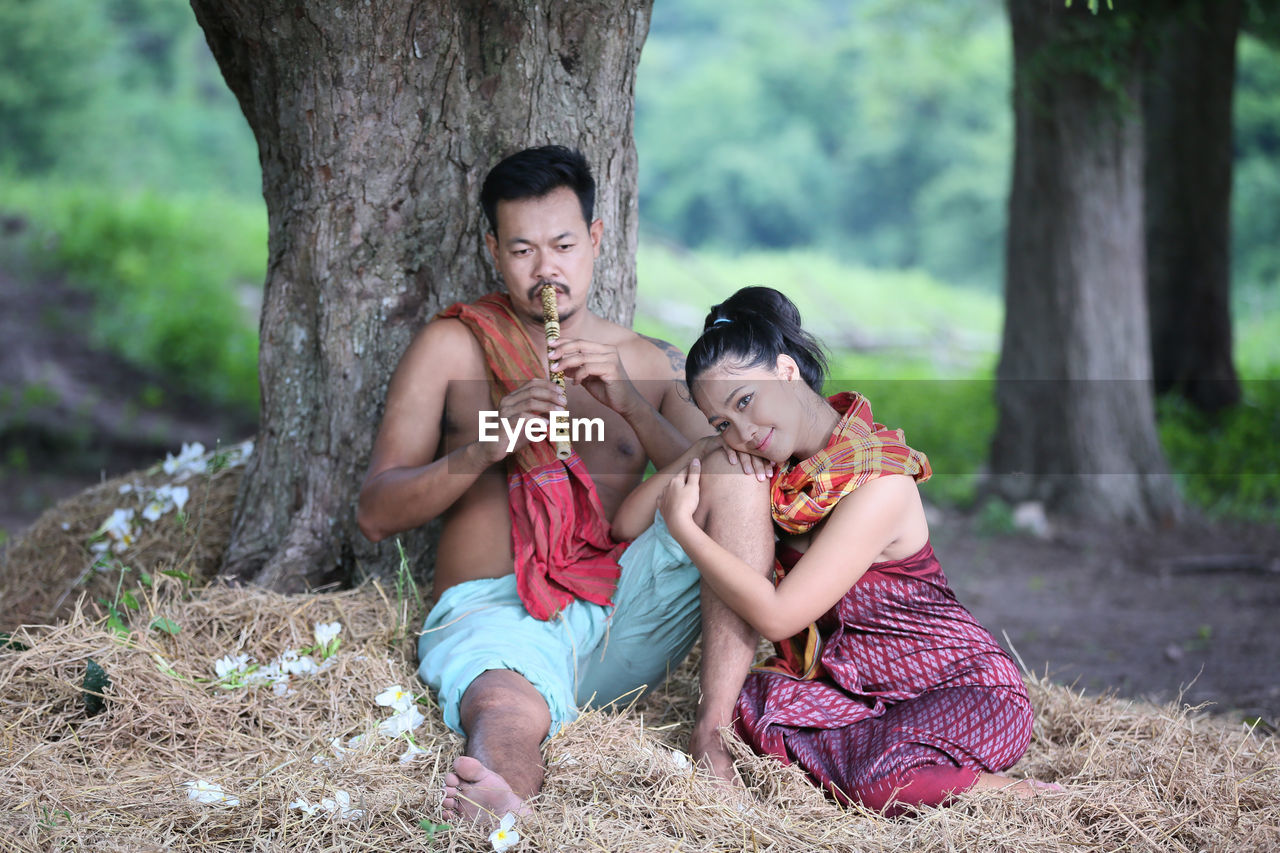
[(551, 325)]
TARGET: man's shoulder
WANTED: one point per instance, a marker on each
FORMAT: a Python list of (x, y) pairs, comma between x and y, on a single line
[(664, 354), (447, 345)]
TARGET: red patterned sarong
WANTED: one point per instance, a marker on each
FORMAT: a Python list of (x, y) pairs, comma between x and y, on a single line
[(896, 696), (915, 697), (559, 532)]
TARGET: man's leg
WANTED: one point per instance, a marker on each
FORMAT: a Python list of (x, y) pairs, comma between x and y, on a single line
[(734, 510), (506, 720)]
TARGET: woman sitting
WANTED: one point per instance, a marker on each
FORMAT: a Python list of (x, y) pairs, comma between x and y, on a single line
[(886, 690)]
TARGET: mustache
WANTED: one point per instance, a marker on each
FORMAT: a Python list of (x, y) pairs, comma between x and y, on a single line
[(535, 292)]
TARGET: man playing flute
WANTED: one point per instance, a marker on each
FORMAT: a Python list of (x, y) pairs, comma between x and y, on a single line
[(537, 609)]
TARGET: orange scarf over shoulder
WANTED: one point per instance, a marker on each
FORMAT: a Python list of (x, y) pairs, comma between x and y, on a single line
[(560, 536), (859, 450)]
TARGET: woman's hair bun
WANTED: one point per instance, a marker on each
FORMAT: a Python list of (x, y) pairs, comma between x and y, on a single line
[(752, 328)]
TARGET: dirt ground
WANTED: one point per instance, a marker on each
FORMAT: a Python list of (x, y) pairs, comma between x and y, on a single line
[(1189, 611)]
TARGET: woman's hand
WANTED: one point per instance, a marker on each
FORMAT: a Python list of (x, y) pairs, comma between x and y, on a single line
[(680, 497), (753, 466)]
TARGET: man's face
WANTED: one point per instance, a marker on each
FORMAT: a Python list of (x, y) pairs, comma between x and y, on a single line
[(543, 240)]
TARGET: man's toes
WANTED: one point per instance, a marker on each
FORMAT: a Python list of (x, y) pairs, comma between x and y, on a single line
[(470, 769), (451, 780)]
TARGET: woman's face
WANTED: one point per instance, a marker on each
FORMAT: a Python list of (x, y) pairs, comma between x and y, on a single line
[(755, 409)]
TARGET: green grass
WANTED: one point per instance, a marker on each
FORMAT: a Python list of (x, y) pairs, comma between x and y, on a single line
[(910, 324), (1228, 463), (168, 274)]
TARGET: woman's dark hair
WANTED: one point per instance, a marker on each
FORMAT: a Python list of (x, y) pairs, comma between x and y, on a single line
[(534, 172), (752, 328)]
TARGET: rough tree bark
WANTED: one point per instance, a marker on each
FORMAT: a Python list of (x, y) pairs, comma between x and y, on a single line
[(375, 126), (1076, 411), (1187, 112)]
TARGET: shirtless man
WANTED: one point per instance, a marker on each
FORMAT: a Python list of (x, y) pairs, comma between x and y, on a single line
[(505, 680)]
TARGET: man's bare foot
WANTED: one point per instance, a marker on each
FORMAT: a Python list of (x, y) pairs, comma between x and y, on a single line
[(475, 793), (709, 751)]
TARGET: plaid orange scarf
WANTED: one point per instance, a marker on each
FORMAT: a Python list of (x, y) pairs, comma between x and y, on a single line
[(858, 451), (559, 532)]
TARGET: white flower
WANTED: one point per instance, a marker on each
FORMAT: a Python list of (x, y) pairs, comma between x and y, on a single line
[(165, 498), (291, 663), (281, 688), (679, 759), (118, 528), (153, 511), (341, 806), (326, 632), (269, 674), (177, 495), (306, 808), (505, 837), (238, 453), (395, 697), (412, 752), (401, 723), (229, 665), (204, 791), (188, 461)]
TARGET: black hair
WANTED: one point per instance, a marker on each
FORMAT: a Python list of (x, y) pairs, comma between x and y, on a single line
[(534, 172), (752, 328)]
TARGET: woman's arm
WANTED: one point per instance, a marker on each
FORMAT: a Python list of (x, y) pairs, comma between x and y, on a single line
[(636, 512), (857, 531)]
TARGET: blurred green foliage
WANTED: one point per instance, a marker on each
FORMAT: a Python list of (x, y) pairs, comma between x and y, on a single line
[(119, 92), (175, 277), (853, 153), (1255, 203), (1228, 463), (877, 130)]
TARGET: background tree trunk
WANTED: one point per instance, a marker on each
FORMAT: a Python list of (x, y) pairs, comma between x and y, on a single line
[(1076, 412), (375, 129), (1187, 111)]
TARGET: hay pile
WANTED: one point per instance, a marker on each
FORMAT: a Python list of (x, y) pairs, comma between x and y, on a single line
[(1140, 777), (50, 565)]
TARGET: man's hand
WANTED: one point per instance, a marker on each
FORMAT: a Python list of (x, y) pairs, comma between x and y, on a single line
[(533, 400), (597, 368)]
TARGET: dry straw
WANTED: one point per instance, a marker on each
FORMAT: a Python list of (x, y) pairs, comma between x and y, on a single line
[(1139, 777)]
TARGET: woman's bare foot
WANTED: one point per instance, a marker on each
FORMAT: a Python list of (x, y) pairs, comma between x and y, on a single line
[(1017, 787), (709, 751), (475, 793)]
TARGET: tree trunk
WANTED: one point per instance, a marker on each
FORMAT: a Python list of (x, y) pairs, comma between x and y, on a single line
[(376, 125), (1076, 411), (1187, 109)]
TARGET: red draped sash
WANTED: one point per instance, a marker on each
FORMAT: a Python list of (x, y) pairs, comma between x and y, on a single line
[(560, 536)]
